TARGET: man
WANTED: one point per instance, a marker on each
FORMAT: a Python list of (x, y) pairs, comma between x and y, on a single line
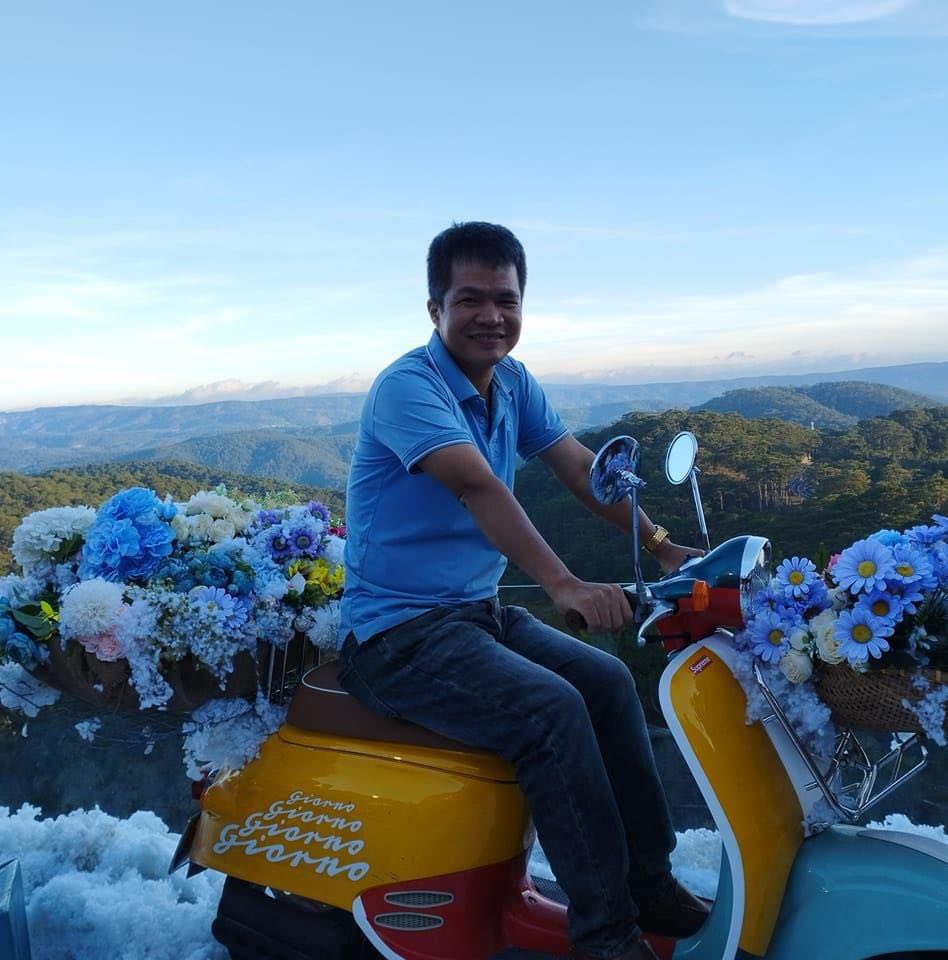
[(431, 518)]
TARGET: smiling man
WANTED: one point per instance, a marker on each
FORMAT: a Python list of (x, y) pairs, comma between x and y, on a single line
[(431, 521)]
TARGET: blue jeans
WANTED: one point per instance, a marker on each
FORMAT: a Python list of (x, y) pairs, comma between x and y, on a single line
[(567, 716)]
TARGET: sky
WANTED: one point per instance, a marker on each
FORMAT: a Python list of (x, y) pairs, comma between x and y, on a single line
[(234, 193)]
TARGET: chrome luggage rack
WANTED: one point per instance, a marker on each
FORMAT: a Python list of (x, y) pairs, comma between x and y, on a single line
[(852, 780), (285, 666)]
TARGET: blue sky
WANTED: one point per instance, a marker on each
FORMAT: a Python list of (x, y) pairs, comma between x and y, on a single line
[(196, 193)]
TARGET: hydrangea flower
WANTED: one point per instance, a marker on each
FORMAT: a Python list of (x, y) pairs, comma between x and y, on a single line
[(888, 537), (769, 636), (128, 539), (863, 566), (796, 575), (861, 635)]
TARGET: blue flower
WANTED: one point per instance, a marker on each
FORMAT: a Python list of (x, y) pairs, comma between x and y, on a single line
[(230, 613), (773, 598), (796, 575), (912, 566), (167, 509), (128, 540), (908, 593), (882, 604), (107, 545), (863, 566), (942, 524), (861, 635), (23, 650), (817, 600), (770, 636), (888, 537), (277, 543), (924, 536), (130, 504)]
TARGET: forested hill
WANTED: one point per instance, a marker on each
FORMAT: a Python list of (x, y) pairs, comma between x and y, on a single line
[(829, 406), (91, 485), (318, 456), (810, 492)]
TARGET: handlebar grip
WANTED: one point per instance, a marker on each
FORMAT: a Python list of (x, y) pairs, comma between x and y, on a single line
[(575, 620)]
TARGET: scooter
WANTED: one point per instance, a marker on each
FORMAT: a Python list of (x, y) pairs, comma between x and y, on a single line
[(352, 835)]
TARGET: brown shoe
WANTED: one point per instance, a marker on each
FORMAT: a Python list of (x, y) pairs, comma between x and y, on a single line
[(676, 912), (640, 950)]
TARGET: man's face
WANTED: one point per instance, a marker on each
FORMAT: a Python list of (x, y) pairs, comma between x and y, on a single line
[(480, 320)]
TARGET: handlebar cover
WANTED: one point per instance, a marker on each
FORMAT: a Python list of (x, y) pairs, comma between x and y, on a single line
[(576, 621)]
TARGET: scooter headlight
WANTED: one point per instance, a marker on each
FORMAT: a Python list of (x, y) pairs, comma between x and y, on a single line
[(755, 571)]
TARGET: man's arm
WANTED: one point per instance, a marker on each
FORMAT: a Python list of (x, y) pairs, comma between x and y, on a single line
[(570, 461), (495, 510)]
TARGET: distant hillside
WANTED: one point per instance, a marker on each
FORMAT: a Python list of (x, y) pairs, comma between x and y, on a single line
[(319, 457), (828, 406), (91, 485), (586, 405), (49, 437)]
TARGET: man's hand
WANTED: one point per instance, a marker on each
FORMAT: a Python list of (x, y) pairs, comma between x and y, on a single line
[(671, 556), (604, 606)]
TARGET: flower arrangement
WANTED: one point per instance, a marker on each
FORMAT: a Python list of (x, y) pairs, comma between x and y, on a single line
[(881, 604), (144, 584)]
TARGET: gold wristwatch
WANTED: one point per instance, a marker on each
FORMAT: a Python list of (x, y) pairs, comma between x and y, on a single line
[(658, 537)]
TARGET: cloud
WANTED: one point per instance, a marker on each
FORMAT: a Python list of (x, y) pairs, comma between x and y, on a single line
[(815, 12)]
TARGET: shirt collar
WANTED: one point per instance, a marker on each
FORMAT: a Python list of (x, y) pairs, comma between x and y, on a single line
[(458, 383)]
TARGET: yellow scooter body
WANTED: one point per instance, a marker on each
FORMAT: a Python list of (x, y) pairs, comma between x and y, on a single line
[(327, 817)]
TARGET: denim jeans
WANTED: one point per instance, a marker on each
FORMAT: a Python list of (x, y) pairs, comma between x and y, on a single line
[(567, 716)]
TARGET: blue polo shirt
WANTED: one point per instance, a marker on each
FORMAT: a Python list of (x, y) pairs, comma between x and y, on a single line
[(411, 545)]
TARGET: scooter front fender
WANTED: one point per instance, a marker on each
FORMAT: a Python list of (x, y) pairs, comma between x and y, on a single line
[(855, 893)]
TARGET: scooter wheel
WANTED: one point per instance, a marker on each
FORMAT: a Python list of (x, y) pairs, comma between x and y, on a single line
[(254, 924)]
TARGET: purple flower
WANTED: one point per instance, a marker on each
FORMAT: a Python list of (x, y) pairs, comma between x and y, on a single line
[(861, 635), (318, 510), (863, 566)]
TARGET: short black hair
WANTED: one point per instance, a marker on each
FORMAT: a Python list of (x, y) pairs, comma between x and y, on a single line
[(488, 243)]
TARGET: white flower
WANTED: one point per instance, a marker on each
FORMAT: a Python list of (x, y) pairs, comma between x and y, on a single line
[(40, 535), (90, 608), (335, 550), (796, 666), (201, 526), (215, 504), (839, 599), (799, 638), (181, 527), (823, 626), (297, 584), (222, 530)]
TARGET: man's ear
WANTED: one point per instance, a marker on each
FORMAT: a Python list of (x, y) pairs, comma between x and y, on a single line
[(434, 311)]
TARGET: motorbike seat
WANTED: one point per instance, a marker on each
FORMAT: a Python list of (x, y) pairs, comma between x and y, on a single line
[(321, 705)]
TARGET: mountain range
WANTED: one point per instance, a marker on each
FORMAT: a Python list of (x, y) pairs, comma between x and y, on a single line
[(309, 439)]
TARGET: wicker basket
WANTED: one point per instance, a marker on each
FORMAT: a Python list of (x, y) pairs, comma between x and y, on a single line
[(107, 684), (873, 700)]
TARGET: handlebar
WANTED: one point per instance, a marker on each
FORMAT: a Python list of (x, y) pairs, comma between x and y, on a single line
[(576, 621)]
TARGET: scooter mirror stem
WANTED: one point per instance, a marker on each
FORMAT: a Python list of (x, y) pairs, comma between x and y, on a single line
[(702, 523), (640, 587)]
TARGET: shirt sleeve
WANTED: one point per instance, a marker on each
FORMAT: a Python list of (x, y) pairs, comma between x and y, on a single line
[(414, 415), (540, 424)]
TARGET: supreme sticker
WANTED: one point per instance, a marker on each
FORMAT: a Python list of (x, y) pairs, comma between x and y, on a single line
[(700, 665)]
